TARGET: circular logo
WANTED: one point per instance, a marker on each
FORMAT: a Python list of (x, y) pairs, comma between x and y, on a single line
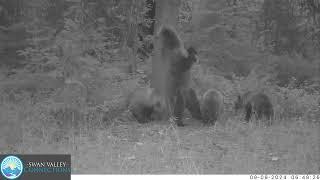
[(11, 167)]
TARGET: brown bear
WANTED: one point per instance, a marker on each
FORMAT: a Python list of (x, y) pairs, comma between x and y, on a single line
[(258, 104), (242, 100), (145, 105), (178, 62), (193, 104), (212, 106)]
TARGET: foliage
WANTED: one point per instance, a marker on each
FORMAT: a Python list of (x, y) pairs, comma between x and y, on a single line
[(53, 47), (39, 51), (287, 26), (85, 112), (292, 71), (185, 12), (62, 30), (269, 37)]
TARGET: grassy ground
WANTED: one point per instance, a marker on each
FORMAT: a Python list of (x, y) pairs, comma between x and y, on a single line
[(103, 138)]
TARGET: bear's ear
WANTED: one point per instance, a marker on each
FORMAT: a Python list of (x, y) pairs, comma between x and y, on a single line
[(192, 53), (192, 50)]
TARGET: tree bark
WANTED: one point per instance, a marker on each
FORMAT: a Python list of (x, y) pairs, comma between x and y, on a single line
[(131, 35)]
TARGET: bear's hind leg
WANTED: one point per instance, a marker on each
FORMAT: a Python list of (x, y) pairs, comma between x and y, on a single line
[(178, 110)]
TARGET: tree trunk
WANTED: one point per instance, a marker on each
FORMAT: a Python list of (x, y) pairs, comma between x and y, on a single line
[(196, 19), (167, 12), (131, 35), (199, 12)]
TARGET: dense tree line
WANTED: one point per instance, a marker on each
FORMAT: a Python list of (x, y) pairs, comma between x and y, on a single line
[(46, 30)]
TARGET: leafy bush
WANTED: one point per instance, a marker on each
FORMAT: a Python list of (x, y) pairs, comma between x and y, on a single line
[(295, 72)]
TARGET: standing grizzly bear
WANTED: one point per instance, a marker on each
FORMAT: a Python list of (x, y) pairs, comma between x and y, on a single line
[(255, 103), (211, 106), (178, 62), (145, 104)]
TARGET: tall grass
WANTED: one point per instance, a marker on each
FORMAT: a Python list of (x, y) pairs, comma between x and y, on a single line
[(102, 138)]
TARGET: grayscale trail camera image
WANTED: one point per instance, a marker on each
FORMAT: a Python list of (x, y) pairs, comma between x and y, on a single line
[(163, 86)]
